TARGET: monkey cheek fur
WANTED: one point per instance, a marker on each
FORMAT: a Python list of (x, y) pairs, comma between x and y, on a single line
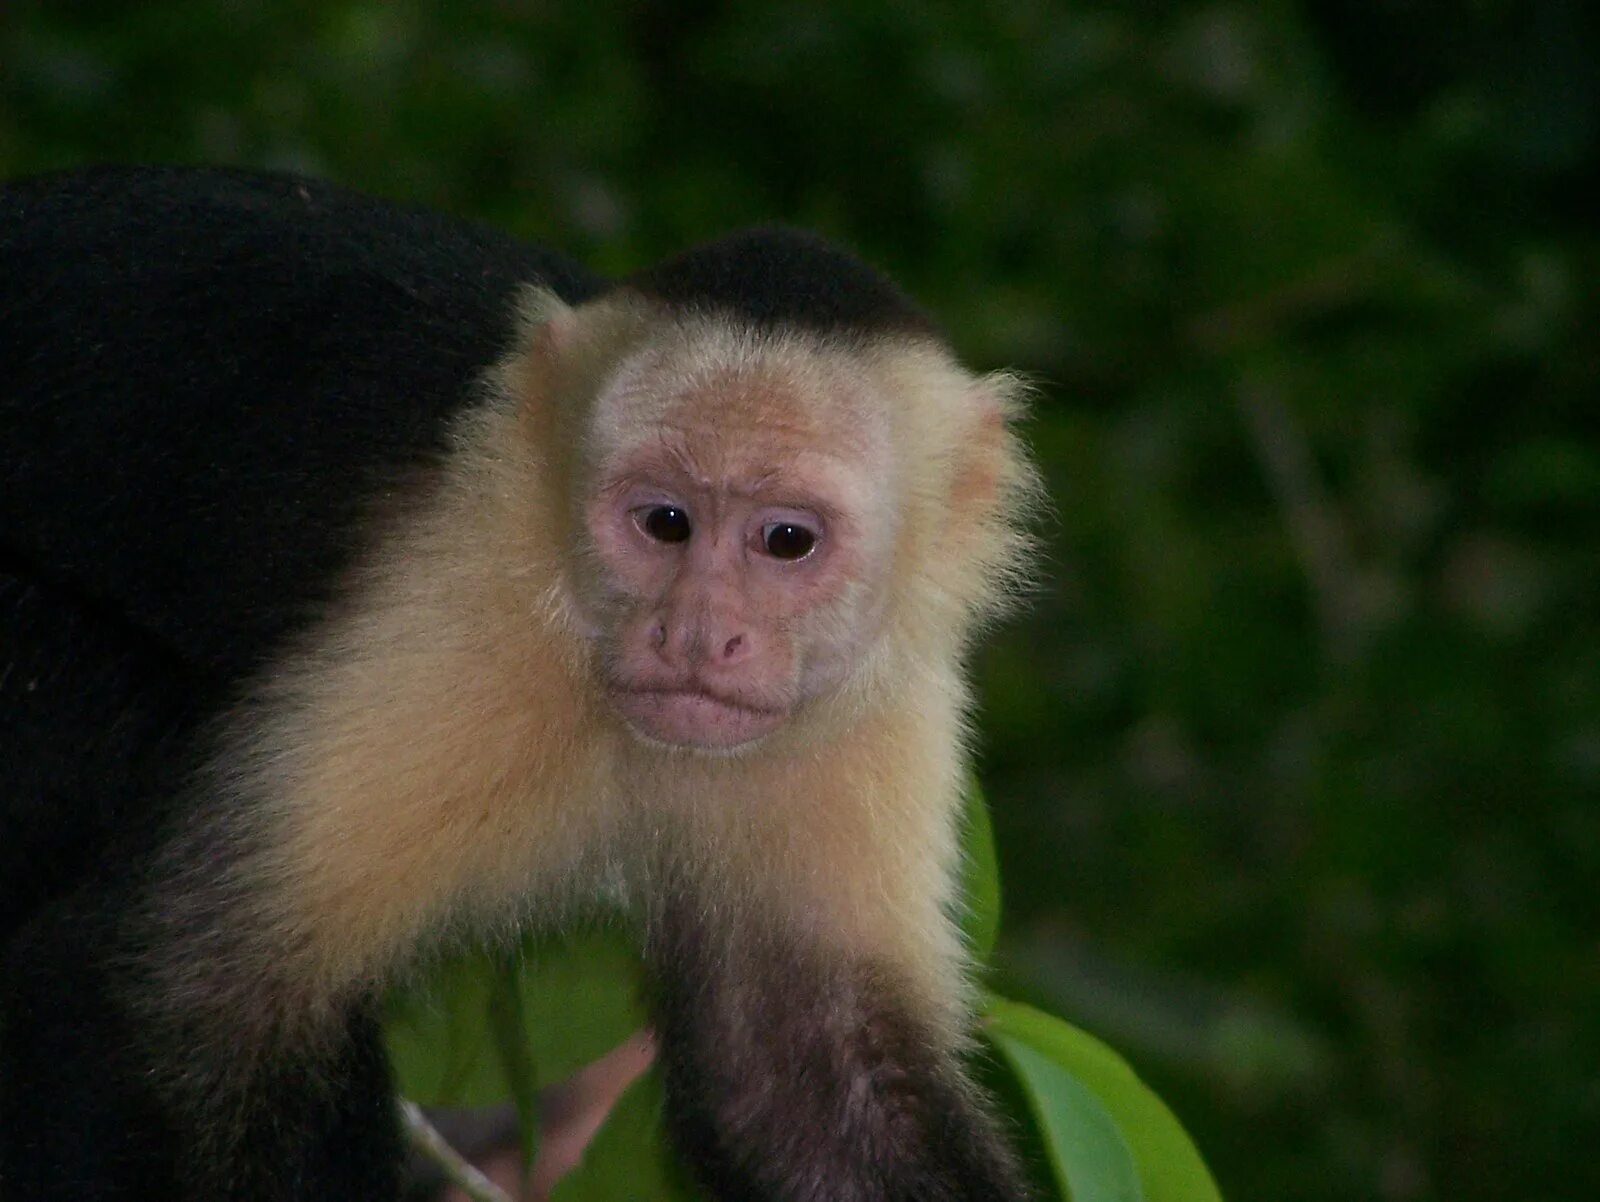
[(694, 719)]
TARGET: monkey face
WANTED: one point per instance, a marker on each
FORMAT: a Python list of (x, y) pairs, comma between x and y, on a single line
[(735, 558)]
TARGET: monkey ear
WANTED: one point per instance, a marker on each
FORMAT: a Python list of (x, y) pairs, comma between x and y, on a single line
[(994, 492), (553, 337), (988, 452), (1001, 397), (549, 320)]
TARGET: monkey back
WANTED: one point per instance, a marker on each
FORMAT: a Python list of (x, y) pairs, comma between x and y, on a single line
[(208, 376)]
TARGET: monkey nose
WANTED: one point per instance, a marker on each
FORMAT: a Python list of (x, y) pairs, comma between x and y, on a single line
[(719, 648), (692, 645)]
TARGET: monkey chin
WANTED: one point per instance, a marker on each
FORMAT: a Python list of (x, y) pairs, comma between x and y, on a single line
[(695, 719)]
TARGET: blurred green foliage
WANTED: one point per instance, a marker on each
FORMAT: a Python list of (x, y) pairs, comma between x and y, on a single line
[(485, 1025), (1296, 764)]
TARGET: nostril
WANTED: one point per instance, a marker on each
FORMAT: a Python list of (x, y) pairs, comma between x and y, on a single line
[(733, 646), (658, 635)]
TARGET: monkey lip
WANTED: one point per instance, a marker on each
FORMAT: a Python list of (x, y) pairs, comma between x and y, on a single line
[(687, 716)]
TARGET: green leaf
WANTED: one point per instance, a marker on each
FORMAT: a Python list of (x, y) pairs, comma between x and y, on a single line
[(1090, 1159), (438, 1038), (573, 999), (1050, 1058), (980, 876)]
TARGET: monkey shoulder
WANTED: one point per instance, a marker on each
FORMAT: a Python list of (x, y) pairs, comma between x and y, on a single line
[(210, 374)]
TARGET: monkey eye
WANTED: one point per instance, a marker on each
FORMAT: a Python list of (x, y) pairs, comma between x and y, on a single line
[(787, 540), (665, 524)]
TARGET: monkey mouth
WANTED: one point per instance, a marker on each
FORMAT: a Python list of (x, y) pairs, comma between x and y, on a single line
[(687, 716)]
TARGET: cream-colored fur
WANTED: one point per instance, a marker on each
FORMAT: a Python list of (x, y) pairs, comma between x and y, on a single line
[(437, 756)]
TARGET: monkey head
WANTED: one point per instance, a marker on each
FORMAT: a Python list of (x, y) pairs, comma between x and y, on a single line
[(764, 519), (737, 531)]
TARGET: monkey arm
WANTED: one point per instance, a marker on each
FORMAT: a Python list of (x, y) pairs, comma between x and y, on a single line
[(793, 1073), (809, 999)]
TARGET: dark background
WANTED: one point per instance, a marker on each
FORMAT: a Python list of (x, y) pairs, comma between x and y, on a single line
[(1295, 766)]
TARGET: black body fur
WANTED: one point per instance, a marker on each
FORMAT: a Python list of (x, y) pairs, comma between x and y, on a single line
[(208, 379)]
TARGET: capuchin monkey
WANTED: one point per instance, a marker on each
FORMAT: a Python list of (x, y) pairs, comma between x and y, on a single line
[(369, 580)]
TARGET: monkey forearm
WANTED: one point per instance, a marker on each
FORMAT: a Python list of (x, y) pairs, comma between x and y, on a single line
[(793, 1078)]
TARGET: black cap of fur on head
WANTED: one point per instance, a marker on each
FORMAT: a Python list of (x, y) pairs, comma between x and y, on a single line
[(773, 276)]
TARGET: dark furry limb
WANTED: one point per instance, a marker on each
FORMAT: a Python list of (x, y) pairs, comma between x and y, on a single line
[(96, 1120), (794, 1075)]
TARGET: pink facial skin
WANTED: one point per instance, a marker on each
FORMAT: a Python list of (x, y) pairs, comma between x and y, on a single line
[(726, 589)]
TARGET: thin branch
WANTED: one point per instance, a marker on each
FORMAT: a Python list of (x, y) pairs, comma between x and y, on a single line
[(427, 1140)]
